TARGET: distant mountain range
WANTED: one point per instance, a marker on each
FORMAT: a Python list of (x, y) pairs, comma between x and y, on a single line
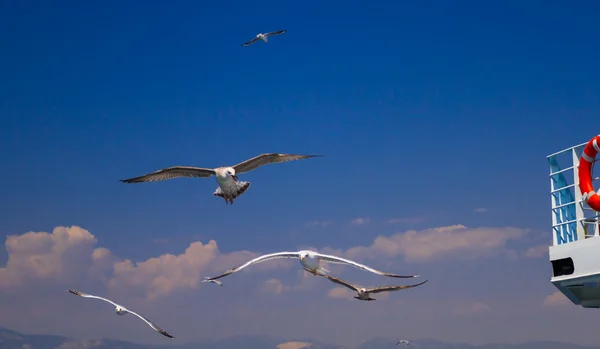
[(15, 340)]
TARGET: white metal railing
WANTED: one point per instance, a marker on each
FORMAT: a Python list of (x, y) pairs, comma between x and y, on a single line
[(568, 219)]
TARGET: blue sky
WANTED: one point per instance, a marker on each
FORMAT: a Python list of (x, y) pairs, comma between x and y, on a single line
[(424, 111)]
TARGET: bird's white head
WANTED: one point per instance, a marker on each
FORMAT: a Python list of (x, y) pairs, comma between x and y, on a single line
[(260, 35), (303, 255), (120, 311), (227, 172)]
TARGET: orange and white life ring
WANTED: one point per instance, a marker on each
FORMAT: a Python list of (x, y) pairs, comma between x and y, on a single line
[(585, 173)]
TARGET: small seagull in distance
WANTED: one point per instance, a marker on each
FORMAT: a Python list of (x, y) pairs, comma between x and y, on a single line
[(263, 37), (121, 310), (403, 341), (207, 279), (364, 293), (229, 187)]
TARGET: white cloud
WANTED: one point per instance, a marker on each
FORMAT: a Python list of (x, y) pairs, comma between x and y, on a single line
[(556, 299), (360, 221), (480, 210), (474, 308), (273, 286), (319, 223), (294, 345), (428, 244), (536, 251), (49, 256), (340, 292), (406, 220), (72, 252)]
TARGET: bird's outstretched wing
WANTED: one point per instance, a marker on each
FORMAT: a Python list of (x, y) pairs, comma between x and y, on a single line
[(339, 282), (257, 260), (207, 279), (151, 324), (171, 172), (265, 159), (393, 288), (85, 295), (339, 260), (275, 33), (250, 42)]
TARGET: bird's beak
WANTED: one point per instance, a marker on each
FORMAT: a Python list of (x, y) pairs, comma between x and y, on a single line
[(234, 177)]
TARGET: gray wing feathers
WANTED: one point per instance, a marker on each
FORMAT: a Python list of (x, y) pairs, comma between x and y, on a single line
[(339, 260), (171, 172), (151, 324), (85, 295), (250, 42), (393, 288), (265, 159), (339, 282), (260, 259), (275, 33)]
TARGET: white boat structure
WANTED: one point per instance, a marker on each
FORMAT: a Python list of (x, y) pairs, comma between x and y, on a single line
[(575, 250)]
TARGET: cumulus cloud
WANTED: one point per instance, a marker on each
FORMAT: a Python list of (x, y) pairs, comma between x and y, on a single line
[(80, 344), (556, 299), (360, 221), (70, 252), (318, 223), (273, 286), (49, 256), (406, 220), (160, 276), (474, 308), (428, 244), (294, 345), (536, 251), (340, 292)]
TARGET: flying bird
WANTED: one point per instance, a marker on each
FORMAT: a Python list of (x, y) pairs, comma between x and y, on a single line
[(310, 261), (229, 187), (403, 341), (121, 310), (207, 279), (364, 293), (263, 37)]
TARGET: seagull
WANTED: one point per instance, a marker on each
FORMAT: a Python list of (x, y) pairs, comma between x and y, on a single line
[(310, 261), (403, 341), (364, 293), (263, 37), (121, 310), (229, 187), (207, 279)]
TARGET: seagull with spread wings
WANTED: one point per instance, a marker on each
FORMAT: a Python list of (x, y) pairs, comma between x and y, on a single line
[(229, 187), (121, 310), (310, 261), (263, 37), (403, 341), (364, 293)]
